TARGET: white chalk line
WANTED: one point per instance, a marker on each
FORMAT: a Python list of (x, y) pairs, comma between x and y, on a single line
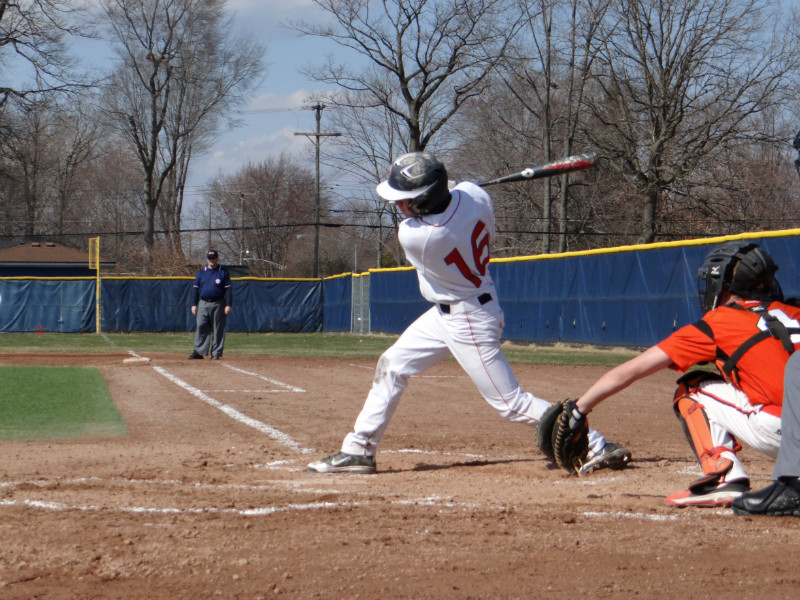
[(59, 483), (627, 515), (413, 376), (439, 453), (275, 434), (94, 481), (240, 391), (307, 486), (249, 512), (296, 507), (282, 384)]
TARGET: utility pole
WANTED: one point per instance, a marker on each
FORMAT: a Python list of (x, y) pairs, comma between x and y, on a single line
[(317, 108), (241, 230)]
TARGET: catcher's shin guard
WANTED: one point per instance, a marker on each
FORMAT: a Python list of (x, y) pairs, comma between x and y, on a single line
[(695, 425)]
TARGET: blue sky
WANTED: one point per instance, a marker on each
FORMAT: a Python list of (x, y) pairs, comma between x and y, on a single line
[(282, 95), (276, 110)]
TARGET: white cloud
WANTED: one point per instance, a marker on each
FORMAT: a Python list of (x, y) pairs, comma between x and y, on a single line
[(272, 101)]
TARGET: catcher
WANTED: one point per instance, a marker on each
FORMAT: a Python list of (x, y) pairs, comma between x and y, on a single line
[(748, 332)]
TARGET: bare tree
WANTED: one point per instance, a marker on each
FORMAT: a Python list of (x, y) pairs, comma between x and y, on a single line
[(181, 75), (529, 79), (259, 210), (425, 58), (417, 63), (675, 85), (47, 148), (501, 135), (34, 49), (27, 161), (112, 205), (74, 145)]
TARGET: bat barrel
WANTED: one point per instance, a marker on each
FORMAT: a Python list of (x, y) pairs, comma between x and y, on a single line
[(570, 164)]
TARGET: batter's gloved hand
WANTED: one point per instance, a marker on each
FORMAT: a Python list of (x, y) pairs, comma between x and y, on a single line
[(563, 435)]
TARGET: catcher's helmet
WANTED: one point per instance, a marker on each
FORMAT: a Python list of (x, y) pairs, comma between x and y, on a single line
[(420, 178), (743, 268)]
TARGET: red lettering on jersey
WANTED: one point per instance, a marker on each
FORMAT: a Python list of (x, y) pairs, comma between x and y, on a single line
[(478, 248)]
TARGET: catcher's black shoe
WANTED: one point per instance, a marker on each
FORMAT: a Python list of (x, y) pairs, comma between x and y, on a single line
[(780, 499), (342, 462), (194, 355), (611, 456)]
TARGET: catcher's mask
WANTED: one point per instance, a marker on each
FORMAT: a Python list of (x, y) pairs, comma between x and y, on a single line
[(742, 268), (420, 178)]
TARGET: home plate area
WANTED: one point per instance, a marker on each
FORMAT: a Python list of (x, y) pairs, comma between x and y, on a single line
[(208, 496)]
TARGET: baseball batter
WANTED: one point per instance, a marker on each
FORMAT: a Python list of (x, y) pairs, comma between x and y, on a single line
[(446, 237)]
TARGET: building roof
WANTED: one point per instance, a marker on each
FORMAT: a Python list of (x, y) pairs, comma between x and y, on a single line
[(47, 254)]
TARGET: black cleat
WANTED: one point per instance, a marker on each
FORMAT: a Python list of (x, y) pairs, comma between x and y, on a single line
[(777, 500)]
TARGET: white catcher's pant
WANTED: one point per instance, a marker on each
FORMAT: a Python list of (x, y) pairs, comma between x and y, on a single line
[(471, 333), (731, 417)]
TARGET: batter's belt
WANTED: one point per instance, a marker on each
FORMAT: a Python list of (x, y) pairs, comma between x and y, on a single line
[(482, 299)]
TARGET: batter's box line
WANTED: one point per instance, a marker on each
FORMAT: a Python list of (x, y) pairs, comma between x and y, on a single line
[(413, 376), (59, 484), (239, 391), (275, 434), (628, 515), (282, 384), (151, 510)]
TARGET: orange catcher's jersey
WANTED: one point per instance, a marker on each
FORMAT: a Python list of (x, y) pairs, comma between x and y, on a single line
[(718, 335)]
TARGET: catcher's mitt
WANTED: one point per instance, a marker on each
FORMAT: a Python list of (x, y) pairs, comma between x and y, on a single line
[(563, 435), (544, 433)]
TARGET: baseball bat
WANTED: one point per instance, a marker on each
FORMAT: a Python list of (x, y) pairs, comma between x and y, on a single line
[(570, 164)]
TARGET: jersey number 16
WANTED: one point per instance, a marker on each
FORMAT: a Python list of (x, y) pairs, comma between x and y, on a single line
[(480, 255)]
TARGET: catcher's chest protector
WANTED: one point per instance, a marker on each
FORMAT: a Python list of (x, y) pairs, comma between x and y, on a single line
[(774, 329)]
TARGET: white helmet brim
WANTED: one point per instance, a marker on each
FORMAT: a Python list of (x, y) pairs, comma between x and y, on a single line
[(390, 194)]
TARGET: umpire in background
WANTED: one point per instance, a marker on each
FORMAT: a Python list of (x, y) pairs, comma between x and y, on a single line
[(211, 304)]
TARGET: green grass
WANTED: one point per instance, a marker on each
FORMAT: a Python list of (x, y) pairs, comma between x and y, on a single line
[(56, 402), (564, 355), (307, 345), (59, 402)]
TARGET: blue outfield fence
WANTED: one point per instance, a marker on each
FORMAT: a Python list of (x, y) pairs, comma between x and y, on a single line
[(621, 298), (630, 296), (336, 298), (259, 305), (60, 305), (627, 296)]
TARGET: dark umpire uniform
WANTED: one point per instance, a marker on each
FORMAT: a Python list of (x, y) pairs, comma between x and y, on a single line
[(213, 297), (782, 497)]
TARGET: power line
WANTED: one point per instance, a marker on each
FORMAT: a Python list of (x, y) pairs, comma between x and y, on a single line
[(299, 225)]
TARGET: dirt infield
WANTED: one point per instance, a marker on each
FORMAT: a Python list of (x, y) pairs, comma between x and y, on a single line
[(209, 497)]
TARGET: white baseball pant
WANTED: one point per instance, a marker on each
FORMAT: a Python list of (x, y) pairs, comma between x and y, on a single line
[(471, 333), (731, 417)]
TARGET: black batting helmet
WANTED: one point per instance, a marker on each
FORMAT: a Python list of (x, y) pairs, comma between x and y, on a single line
[(740, 267), (420, 178)]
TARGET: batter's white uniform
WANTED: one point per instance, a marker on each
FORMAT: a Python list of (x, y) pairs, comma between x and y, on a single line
[(450, 252)]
